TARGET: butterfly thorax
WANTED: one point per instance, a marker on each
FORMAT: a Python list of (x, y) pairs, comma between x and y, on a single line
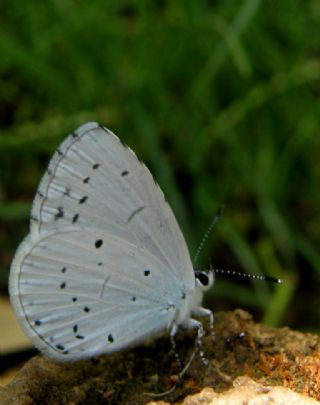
[(191, 299)]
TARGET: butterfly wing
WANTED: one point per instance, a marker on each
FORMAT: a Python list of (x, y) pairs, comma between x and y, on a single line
[(95, 181), (81, 297), (105, 261)]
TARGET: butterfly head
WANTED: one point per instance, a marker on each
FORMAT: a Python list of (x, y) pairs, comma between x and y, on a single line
[(204, 279)]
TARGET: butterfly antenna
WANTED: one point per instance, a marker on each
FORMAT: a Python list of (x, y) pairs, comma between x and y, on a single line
[(235, 273), (208, 232)]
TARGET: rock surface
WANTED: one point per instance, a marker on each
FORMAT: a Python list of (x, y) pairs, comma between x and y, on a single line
[(272, 362), (248, 392)]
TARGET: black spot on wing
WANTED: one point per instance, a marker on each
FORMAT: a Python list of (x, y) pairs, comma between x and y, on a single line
[(63, 285), (124, 173), (86, 180), (110, 338), (59, 214), (86, 309), (63, 270), (98, 243), (38, 322), (83, 199), (95, 166), (75, 218), (75, 331), (146, 273)]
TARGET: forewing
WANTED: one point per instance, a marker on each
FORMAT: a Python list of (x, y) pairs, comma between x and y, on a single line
[(94, 181)]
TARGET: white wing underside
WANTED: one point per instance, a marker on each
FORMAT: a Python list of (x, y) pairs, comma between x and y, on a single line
[(104, 252)]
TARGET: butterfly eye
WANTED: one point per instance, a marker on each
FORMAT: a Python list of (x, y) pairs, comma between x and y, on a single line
[(202, 277), (205, 279)]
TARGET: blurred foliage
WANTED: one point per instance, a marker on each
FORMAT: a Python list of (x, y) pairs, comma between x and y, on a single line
[(220, 99)]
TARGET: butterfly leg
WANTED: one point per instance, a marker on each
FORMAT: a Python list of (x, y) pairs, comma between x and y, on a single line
[(173, 333), (204, 312), (193, 324)]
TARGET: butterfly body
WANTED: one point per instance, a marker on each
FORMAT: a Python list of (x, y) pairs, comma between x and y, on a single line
[(105, 263)]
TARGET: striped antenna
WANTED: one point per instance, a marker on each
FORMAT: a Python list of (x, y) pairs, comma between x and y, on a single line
[(246, 275), (208, 232)]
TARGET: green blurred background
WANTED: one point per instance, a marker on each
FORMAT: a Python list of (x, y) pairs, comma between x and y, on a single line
[(220, 99)]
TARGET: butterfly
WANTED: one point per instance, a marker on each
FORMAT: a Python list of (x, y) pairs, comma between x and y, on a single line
[(105, 264)]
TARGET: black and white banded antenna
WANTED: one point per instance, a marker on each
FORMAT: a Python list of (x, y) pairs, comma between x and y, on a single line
[(236, 273), (207, 234)]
